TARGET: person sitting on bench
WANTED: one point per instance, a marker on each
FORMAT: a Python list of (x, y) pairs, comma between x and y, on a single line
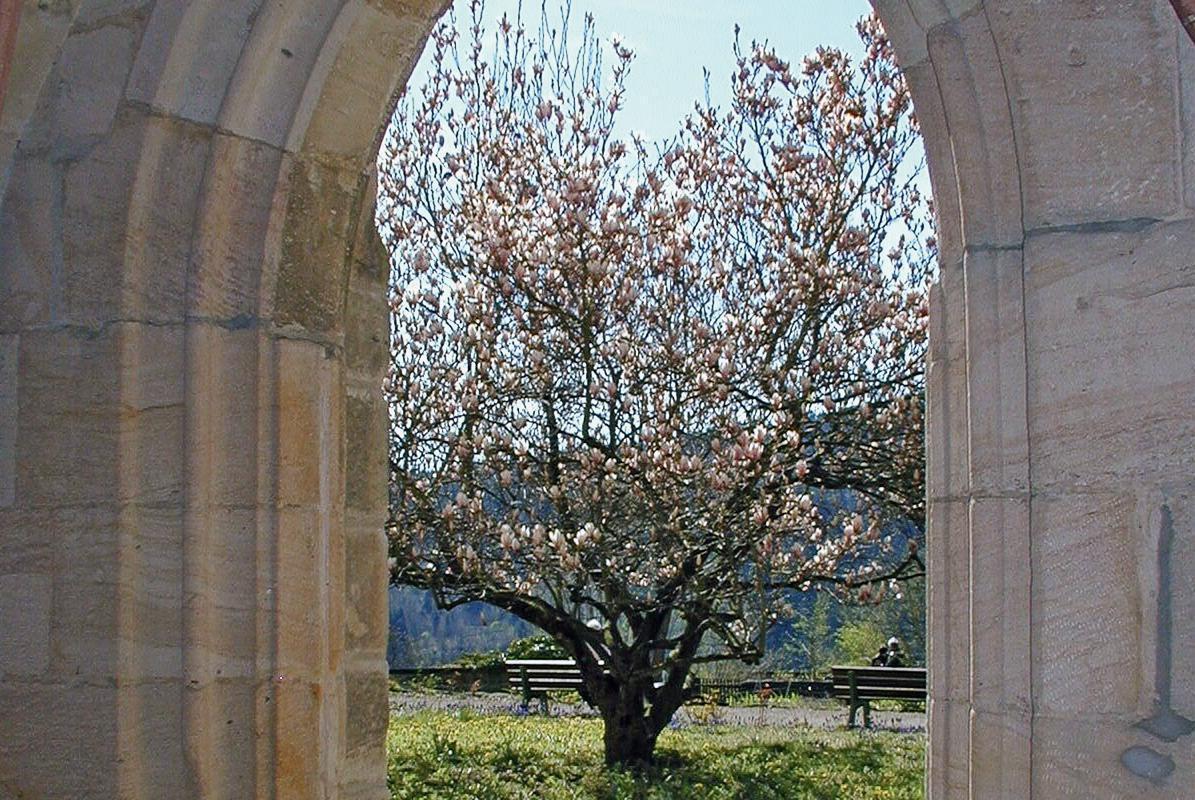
[(895, 659)]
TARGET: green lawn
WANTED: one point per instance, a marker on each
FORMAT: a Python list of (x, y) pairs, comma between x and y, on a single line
[(454, 756)]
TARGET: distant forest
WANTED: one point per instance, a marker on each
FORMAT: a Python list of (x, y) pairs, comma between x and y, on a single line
[(820, 633), (421, 635)]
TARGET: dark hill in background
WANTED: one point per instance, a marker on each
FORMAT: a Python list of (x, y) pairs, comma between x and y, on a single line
[(421, 635)]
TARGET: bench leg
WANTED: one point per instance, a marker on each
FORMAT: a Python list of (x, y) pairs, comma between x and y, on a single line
[(866, 713), (850, 723), (543, 704)]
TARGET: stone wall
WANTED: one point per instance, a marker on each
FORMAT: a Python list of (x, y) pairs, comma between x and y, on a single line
[(192, 330), (1061, 394), (192, 433)]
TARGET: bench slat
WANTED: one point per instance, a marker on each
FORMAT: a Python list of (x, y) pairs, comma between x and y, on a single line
[(911, 684), (877, 683), (877, 694)]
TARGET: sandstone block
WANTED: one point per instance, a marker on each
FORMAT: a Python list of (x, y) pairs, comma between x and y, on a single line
[(231, 276), (1110, 397), (931, 116), (9, 374), (50, 749), (366, 430), (1000, 755), (301, 595), (227, 735), (224, 592), (308, 429), (1086, 605), (1186, 88), (315, 239), (366, 612), (276, 67), (299, 740), (151, 592), (85, 617), (25, 602), (1080, 757), (98, 11), (1001, 577), (67, 375), (82, 93), (30, 244), (360, 81), (152, 412), (947, 456), (149, 749), (188, 56), (367, 331), (368, 709), (967, 63), (949, 541), (227, 413), (948, 764), (1070, 65), (995, 320)]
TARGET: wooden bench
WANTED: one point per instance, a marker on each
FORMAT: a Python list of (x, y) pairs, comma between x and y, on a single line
[(537, 677), (860, 685)]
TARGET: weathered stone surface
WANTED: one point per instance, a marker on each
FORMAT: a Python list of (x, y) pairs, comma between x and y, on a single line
[(188, 56), (1086, 606), (272, 75), (229, 281), (1179, 502), (368, 708), (66, 376), (229, 409), (1108, 395), (1000, 755), (50, 749), (998, 432), (948, 472), (365, 426), (360, 81), (1000, 635), (31, 246), (1186, 94), (319, 222), (966, 59), (1082, 759), (949, 541), (948, 762), (10, 345), (366, 613), (83, 92), (1083, 78), (25, 616)]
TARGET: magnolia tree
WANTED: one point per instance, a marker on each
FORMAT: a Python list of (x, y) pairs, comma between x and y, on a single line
[(639, 393)]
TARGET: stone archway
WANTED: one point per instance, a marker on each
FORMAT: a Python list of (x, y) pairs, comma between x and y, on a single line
[(192, 328)]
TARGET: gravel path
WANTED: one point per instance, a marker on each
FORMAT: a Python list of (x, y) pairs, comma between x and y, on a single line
[(817, 714)]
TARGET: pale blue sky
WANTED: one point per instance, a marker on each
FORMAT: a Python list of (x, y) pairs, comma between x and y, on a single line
[(673, 40)]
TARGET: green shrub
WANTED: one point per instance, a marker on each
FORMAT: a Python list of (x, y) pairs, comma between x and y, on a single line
[(492, 658), (536, 647)]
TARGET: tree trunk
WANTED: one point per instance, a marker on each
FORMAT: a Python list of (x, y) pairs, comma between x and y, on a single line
[(629, 738)]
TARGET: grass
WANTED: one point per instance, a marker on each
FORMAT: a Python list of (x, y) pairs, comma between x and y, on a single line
[(467, 756)]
